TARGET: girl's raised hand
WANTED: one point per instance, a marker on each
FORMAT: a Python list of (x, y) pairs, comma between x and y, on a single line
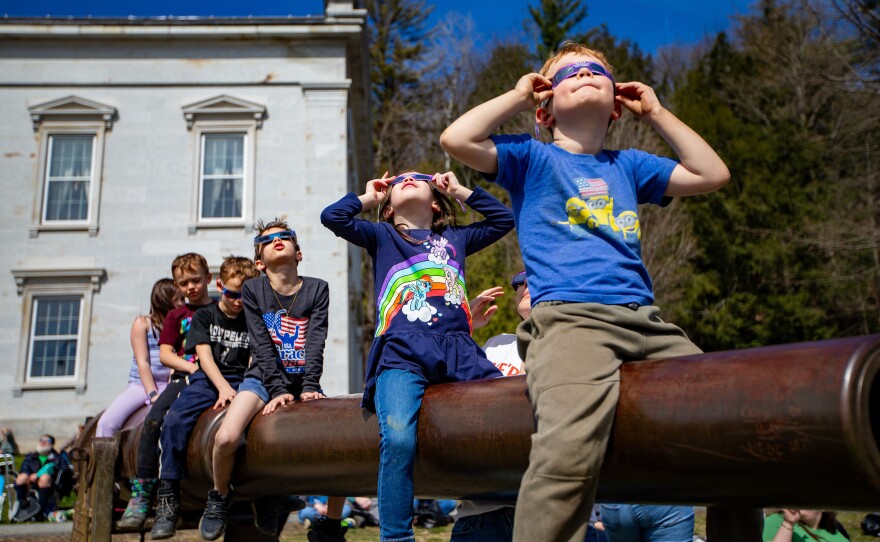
[(447, 183), (377, 191)]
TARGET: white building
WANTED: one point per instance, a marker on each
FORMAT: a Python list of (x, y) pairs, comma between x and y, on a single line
[(124, 143)]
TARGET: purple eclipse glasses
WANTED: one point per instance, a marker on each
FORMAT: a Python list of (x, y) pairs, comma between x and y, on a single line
[(518, 280), (413, 176), (571, 70)]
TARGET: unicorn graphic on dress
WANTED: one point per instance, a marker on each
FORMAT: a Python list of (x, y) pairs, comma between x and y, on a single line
[(438, 253)]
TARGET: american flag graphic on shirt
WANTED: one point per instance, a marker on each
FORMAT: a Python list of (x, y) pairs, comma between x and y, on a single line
[(289, 335)]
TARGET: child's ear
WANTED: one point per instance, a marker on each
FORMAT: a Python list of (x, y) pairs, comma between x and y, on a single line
[(617, 111), (219, 285), (387, 213), (435, 206), (260, 265), (544, 118), (299, 255)]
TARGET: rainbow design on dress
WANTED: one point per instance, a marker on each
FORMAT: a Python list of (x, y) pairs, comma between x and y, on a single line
[(392, 294)]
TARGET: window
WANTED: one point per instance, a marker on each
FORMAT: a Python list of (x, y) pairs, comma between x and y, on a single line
[(71, 134), (54, 336), (68, 178), (225, 132), (222, 181), (54, 347)]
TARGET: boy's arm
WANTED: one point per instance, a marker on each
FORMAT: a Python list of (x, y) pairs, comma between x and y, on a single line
[(225, 392), (467, 139), (315, 342), (169, 337), (169, 358), (700, 170)]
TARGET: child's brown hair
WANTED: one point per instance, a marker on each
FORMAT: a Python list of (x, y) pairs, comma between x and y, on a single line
[(189, 262), (238, 267)]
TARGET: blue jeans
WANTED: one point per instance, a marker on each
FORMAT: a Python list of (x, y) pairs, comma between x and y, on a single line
[(398, 400), (647, 523)]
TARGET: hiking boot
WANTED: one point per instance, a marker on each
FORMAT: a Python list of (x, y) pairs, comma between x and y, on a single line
[(139, 506), (29, 508), (325, 529), (213, 522), (168, 510), (267, 514)]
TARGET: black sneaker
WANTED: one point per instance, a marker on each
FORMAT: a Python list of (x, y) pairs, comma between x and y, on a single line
[(325, 529), (168, 510), (213, 522), (28, 509), (267, 514)]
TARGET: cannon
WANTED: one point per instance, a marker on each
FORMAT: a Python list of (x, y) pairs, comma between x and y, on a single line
[(790, 425)]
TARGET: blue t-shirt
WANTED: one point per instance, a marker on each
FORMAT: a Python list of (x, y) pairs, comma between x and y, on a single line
[(577, 218)]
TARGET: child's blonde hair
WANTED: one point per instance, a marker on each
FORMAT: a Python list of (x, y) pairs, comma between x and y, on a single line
[(571, 47), (442, 219), (238, 267)]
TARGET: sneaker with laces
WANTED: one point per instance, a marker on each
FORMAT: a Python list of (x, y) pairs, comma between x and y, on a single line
[(139, 506), (29, 508), (267, 511), (168, 510), (213, 522), (325, 529)]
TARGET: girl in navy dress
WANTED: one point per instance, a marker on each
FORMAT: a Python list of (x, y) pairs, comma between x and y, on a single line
[(423, 320)]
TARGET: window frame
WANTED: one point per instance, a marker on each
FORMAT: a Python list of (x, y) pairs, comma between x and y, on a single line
[(50, 138), (230, 115), (245, 196), (36, 284), (70, 115)]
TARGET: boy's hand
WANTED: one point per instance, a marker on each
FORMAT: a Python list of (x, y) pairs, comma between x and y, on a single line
[(224, 397), (638, 98), (281, 400), (480, 313), (535, 87), (377, 191), (447, 183), (309, 395)]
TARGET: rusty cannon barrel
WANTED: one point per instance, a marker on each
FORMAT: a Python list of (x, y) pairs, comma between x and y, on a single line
[(794, 425)]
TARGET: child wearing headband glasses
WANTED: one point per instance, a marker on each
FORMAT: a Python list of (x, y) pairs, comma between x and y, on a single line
[(286, 316), (576, 209), (218, 336), (423, 319)]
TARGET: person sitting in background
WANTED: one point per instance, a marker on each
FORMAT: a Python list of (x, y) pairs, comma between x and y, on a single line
[(38, 468), (7, 442), (803, 526)]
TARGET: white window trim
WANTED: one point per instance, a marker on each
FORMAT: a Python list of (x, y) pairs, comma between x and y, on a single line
[(34, 283), (71, 115), (224, 114)]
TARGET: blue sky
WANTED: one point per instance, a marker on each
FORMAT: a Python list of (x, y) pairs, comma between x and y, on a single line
[(650, 23)]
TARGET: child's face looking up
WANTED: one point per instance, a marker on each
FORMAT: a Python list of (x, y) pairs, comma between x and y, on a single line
[(278, 250), (584, 88), (413, 189), (232, 287)]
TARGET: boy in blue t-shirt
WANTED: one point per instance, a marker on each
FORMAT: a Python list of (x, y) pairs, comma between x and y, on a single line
[(591, 294)]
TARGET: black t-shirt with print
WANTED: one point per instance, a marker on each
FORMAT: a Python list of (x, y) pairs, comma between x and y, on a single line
[(227, 337)]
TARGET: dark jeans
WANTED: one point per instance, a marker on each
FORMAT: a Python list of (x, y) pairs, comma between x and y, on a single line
[(181, 419), (148, 446)]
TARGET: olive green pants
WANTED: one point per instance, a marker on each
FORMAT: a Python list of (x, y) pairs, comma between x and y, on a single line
[(572, 354)]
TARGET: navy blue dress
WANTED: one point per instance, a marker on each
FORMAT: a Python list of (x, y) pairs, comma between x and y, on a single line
[(423, 320)]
